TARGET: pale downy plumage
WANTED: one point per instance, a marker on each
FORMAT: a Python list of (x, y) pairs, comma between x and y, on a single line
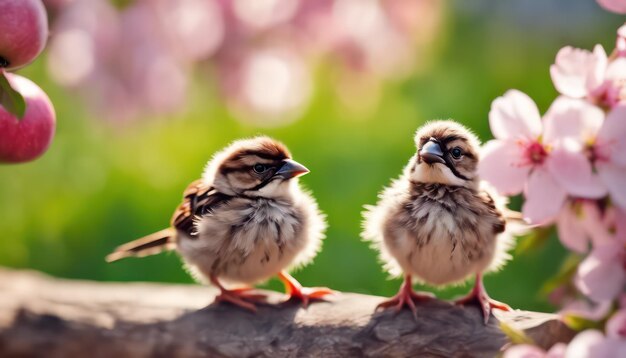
[(437, 223), (245, 221)]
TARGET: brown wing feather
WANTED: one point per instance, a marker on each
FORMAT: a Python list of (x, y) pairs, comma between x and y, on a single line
[(500, 223), (198, 199), (145, 246)]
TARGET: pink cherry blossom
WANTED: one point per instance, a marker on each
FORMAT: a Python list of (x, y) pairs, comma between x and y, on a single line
[(592, 343), (586, 309), (546, 167), (613, 90), (530, 351), (620, 46), (602, 276), (580, 73), (619, 227), (616, 326), (195, 28), (524, 351), (577, 72), (269, 86), (607, 152), (557, 351), (579, 125), (85, 36), (586, 344), (579, 222), (569, 125), (263, 14), (615, 343), (114, 55), (618, 6), (602, 139)]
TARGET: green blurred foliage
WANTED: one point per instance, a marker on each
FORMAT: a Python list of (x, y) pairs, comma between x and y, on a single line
[(102, 184)]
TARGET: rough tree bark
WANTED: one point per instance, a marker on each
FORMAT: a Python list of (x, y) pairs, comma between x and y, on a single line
[(42, 316)]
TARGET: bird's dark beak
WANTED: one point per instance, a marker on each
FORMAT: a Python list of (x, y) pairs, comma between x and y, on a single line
[(431, 152), (291, 169)]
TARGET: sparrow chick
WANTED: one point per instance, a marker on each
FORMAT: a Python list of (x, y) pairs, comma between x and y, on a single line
[(436, 223), (245, 221)]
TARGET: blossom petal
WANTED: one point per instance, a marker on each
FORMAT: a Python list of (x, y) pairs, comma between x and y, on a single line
[(596, 77), (573, 171), (614, 178), (610, 348), (499, 166), (616, 70), (572, 71), (572, 118), (620, 229), (601, 276), (557, 351), (613, 91), (524, 351), (514, 115), (594, 224), (621, 40), (613, 135), (588, 310), (618, 6), (571, 233), (616, 326), (544, 197), (584, 344)]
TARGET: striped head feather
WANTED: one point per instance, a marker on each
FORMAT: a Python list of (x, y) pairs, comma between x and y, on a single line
[(257, 167)]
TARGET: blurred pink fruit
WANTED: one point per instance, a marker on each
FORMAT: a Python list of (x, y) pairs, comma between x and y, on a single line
[(23, 32), (22, 140)]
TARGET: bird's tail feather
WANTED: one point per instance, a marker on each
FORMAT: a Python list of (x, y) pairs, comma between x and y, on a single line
[(146, 246)]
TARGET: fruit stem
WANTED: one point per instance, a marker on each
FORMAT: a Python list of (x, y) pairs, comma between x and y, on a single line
[(3, 62)]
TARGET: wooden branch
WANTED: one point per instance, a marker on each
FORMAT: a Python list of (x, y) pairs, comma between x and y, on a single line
[(43, 316)]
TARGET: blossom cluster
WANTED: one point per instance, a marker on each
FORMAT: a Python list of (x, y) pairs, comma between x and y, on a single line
[(139, 57), (571, 168)]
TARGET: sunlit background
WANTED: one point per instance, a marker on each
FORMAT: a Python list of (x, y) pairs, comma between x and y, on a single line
[(146, 91)]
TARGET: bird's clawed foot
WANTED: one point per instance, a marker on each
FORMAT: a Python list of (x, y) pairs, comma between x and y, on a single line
[(295, 290), (244, 297), (406, 297), (479, 296)]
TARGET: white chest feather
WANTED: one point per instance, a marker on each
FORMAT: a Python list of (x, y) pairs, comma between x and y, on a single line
[(438, 250), (439, 235), (250, 240)]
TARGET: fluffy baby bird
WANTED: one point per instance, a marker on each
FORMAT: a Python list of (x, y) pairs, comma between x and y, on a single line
[(245, 221), (436, 223)]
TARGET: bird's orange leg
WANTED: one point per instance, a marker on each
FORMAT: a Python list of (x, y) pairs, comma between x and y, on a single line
[(295, 290), (241, 297), (478, 295), (406, 297)]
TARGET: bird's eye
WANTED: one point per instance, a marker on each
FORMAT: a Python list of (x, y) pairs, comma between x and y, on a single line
[(259, 168), (456, 152)]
